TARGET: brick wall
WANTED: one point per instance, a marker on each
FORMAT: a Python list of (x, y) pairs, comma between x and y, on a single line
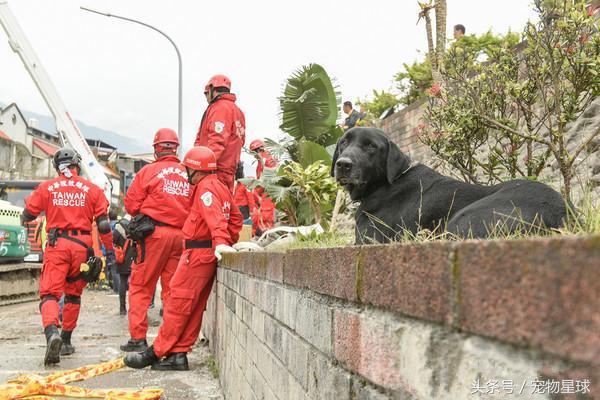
[(400, 128), (410, 321)]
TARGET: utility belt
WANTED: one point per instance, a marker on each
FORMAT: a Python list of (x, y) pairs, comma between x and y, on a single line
[(90, 270), (140, 227), (197, 244)]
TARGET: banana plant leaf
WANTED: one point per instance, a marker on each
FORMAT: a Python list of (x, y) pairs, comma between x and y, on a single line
[(310, 152), (309, 104)]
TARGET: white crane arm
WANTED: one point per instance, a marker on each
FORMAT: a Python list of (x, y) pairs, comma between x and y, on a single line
[(68, 131)]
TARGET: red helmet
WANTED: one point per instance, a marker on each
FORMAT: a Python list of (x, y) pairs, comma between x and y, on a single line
[(200, 158), (218, 81), (165, 135), (256, 144)]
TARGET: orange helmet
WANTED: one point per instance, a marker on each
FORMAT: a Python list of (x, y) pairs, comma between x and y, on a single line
[(256, 144), (218, 81), (200, 158), (166, 135)]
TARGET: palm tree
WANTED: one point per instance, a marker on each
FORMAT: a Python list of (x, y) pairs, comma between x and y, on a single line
[(436, 54), (425, 8), (440, 30)]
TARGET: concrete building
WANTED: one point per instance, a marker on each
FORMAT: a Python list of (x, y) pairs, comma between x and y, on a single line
[(26, 153)]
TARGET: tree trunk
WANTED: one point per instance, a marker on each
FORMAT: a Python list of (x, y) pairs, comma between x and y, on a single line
[(440, 36), (336, 209), (567, 174), (429, 29)]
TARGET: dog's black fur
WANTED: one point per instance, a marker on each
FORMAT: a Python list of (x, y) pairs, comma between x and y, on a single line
[(395, 196)]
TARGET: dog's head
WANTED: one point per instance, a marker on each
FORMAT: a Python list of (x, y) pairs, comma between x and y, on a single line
[(365, 158)]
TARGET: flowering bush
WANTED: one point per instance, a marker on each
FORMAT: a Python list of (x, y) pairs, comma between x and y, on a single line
[(507, 117)]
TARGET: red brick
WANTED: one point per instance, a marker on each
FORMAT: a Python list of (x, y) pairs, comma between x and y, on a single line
[(415, 280), (542, 293), (367, 348), (330, 271)]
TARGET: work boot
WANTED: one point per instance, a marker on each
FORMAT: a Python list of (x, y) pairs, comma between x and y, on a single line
[(142, 359), (53, 345), (173, 362), (136, 345), (67, 348)]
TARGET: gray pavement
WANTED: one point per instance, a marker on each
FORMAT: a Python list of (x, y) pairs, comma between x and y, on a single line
[(97, 338)]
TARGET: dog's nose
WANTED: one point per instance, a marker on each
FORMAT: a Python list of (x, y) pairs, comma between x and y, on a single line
[(344, 164)]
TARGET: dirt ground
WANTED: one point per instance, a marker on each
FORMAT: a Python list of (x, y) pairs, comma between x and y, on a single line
[(97, 338)]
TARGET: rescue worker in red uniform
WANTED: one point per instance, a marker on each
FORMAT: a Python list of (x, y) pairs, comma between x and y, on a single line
[(264, 218), (242, 197), (223, 128), (212, 226), (264, 158), (161, 192), (71, 204)]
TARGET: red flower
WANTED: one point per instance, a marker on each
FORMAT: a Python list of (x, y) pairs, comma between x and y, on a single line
[(435, 90)]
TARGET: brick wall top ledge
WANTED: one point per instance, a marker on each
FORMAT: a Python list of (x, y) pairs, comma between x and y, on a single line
[(536, 292)]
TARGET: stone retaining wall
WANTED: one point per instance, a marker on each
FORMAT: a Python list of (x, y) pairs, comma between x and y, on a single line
[(470, 320)]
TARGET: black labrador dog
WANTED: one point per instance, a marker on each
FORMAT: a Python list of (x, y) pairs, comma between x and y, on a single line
[(396, 196)]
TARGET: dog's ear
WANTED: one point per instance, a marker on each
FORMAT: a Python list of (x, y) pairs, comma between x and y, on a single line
[(397, 162), (336, 154)]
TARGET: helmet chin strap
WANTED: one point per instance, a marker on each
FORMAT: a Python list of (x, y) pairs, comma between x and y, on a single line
[(191, 176)]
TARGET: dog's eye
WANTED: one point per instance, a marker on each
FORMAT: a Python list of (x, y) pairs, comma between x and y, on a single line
[(370, 147)]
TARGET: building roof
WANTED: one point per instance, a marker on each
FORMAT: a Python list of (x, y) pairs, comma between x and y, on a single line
[(3, 110), (47, 148), (110, 172), (5, 136), (99, 144)]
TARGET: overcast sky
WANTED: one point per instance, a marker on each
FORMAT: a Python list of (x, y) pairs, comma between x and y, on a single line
[(123, 77)]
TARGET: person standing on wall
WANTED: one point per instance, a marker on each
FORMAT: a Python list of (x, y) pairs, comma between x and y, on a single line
[(158, 201), (212, 226), (353, 116), (223, 128), (71, 204)]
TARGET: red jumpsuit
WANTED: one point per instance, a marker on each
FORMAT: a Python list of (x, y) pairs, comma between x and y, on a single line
[(223, 130), (267, 160), (71, 205), (264, 218), (244, 199), (161, 191), (213, 217)]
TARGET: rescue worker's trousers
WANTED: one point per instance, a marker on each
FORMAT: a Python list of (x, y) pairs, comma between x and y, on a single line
[(190, 289), (157, 258), (62, 261)]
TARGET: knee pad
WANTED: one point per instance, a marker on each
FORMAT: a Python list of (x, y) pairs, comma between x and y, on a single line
[(72, 299), (46, 298)]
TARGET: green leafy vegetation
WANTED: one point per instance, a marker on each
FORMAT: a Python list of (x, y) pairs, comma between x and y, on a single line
[(507, 117)]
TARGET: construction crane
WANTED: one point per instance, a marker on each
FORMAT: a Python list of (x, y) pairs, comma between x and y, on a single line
[(69, 133)]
